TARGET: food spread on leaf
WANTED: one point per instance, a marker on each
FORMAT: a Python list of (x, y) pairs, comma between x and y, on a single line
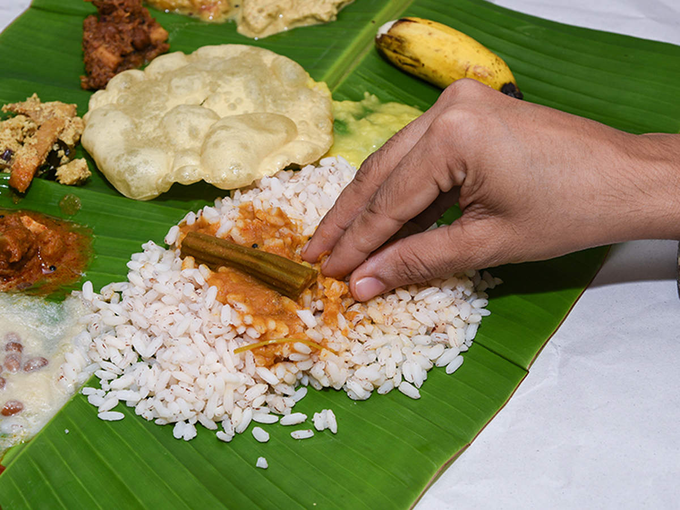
[(226, 325), (226, 114), (205, 10), (122, 36), (258, 18), (39, 252), (43, 362), (362, 127), (40, 138), (262, 18)]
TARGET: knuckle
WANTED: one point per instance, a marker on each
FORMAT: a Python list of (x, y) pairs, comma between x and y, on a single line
[(363, 178), (373, 208), (370, 165), (460, 122), (382, 210), (467, 89)]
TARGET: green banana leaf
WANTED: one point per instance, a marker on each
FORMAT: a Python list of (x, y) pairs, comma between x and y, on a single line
[(389, 448)]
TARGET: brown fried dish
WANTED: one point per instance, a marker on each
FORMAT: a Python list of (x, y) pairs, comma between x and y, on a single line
[(123, 36), (41, 137)]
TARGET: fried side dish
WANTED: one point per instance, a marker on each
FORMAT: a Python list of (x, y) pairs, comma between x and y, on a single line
[(41, 137), (123, 36), (38, 250)]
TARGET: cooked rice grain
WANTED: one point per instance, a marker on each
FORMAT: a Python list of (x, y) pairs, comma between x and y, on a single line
[(164, 344)]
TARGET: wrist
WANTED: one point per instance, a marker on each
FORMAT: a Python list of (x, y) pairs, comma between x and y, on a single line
[(649, 183)]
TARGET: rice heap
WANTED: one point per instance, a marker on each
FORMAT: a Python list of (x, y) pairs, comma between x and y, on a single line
[(165, 343)]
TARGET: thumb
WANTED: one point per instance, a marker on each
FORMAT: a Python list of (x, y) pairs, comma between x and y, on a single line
[(455, 248)]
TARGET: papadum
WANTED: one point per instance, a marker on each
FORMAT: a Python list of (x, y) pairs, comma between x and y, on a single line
[(227, 114)]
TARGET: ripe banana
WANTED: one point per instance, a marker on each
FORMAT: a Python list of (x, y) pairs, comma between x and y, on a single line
[(441, 55)]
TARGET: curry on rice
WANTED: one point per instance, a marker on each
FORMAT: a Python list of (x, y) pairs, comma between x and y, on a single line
[(272, 315)]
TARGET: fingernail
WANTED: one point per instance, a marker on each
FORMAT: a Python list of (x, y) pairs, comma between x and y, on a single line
[(367, 288)]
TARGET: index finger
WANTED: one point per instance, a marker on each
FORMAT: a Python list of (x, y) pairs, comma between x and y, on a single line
[(419, 179), (366, 182)]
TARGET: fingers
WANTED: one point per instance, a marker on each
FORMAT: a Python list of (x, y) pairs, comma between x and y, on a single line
[(428, 217), (436, 253), (368, 179), (437, 209), (417, 181)]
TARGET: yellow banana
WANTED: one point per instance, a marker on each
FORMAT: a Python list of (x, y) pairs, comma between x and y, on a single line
[(441, 55)]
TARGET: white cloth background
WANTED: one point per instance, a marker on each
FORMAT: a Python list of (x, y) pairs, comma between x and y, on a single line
[(596, 424)]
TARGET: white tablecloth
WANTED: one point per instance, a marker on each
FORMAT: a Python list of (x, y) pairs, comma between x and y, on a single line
[(596, 424)]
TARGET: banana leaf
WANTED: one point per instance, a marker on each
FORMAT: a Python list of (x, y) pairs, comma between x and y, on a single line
[(389, 448)]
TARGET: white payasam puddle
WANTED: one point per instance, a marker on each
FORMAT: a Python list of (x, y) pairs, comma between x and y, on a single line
[(44, 361), (165, 345)]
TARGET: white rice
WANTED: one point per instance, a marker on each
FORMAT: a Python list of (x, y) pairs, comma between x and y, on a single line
[(409, 390), (262, 463), (325, 420), (223, 436), (293, 419), (111, 416), (260, 434), (164, 344), (302, 434)]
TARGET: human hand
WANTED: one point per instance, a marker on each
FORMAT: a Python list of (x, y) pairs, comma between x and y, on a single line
[(532, 183)]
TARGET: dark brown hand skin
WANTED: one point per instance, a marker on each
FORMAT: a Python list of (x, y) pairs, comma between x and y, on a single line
[(533, 183)]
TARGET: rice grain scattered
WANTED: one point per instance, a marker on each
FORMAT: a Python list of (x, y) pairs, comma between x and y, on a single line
[(302, 434), (111, 416), (260, 434), (293, 419)]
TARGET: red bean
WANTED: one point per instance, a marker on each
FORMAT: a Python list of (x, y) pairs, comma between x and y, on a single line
[(14, 346), (13, 362), (11, 408), (35, 364), (2, 383)]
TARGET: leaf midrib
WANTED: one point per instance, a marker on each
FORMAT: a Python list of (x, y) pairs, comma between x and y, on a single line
[(352, 56)]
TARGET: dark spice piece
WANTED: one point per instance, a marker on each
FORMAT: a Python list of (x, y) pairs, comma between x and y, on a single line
[(59, 155)]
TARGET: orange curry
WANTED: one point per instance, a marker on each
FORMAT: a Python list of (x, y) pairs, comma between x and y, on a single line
[(273, 315), (39, 251)]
